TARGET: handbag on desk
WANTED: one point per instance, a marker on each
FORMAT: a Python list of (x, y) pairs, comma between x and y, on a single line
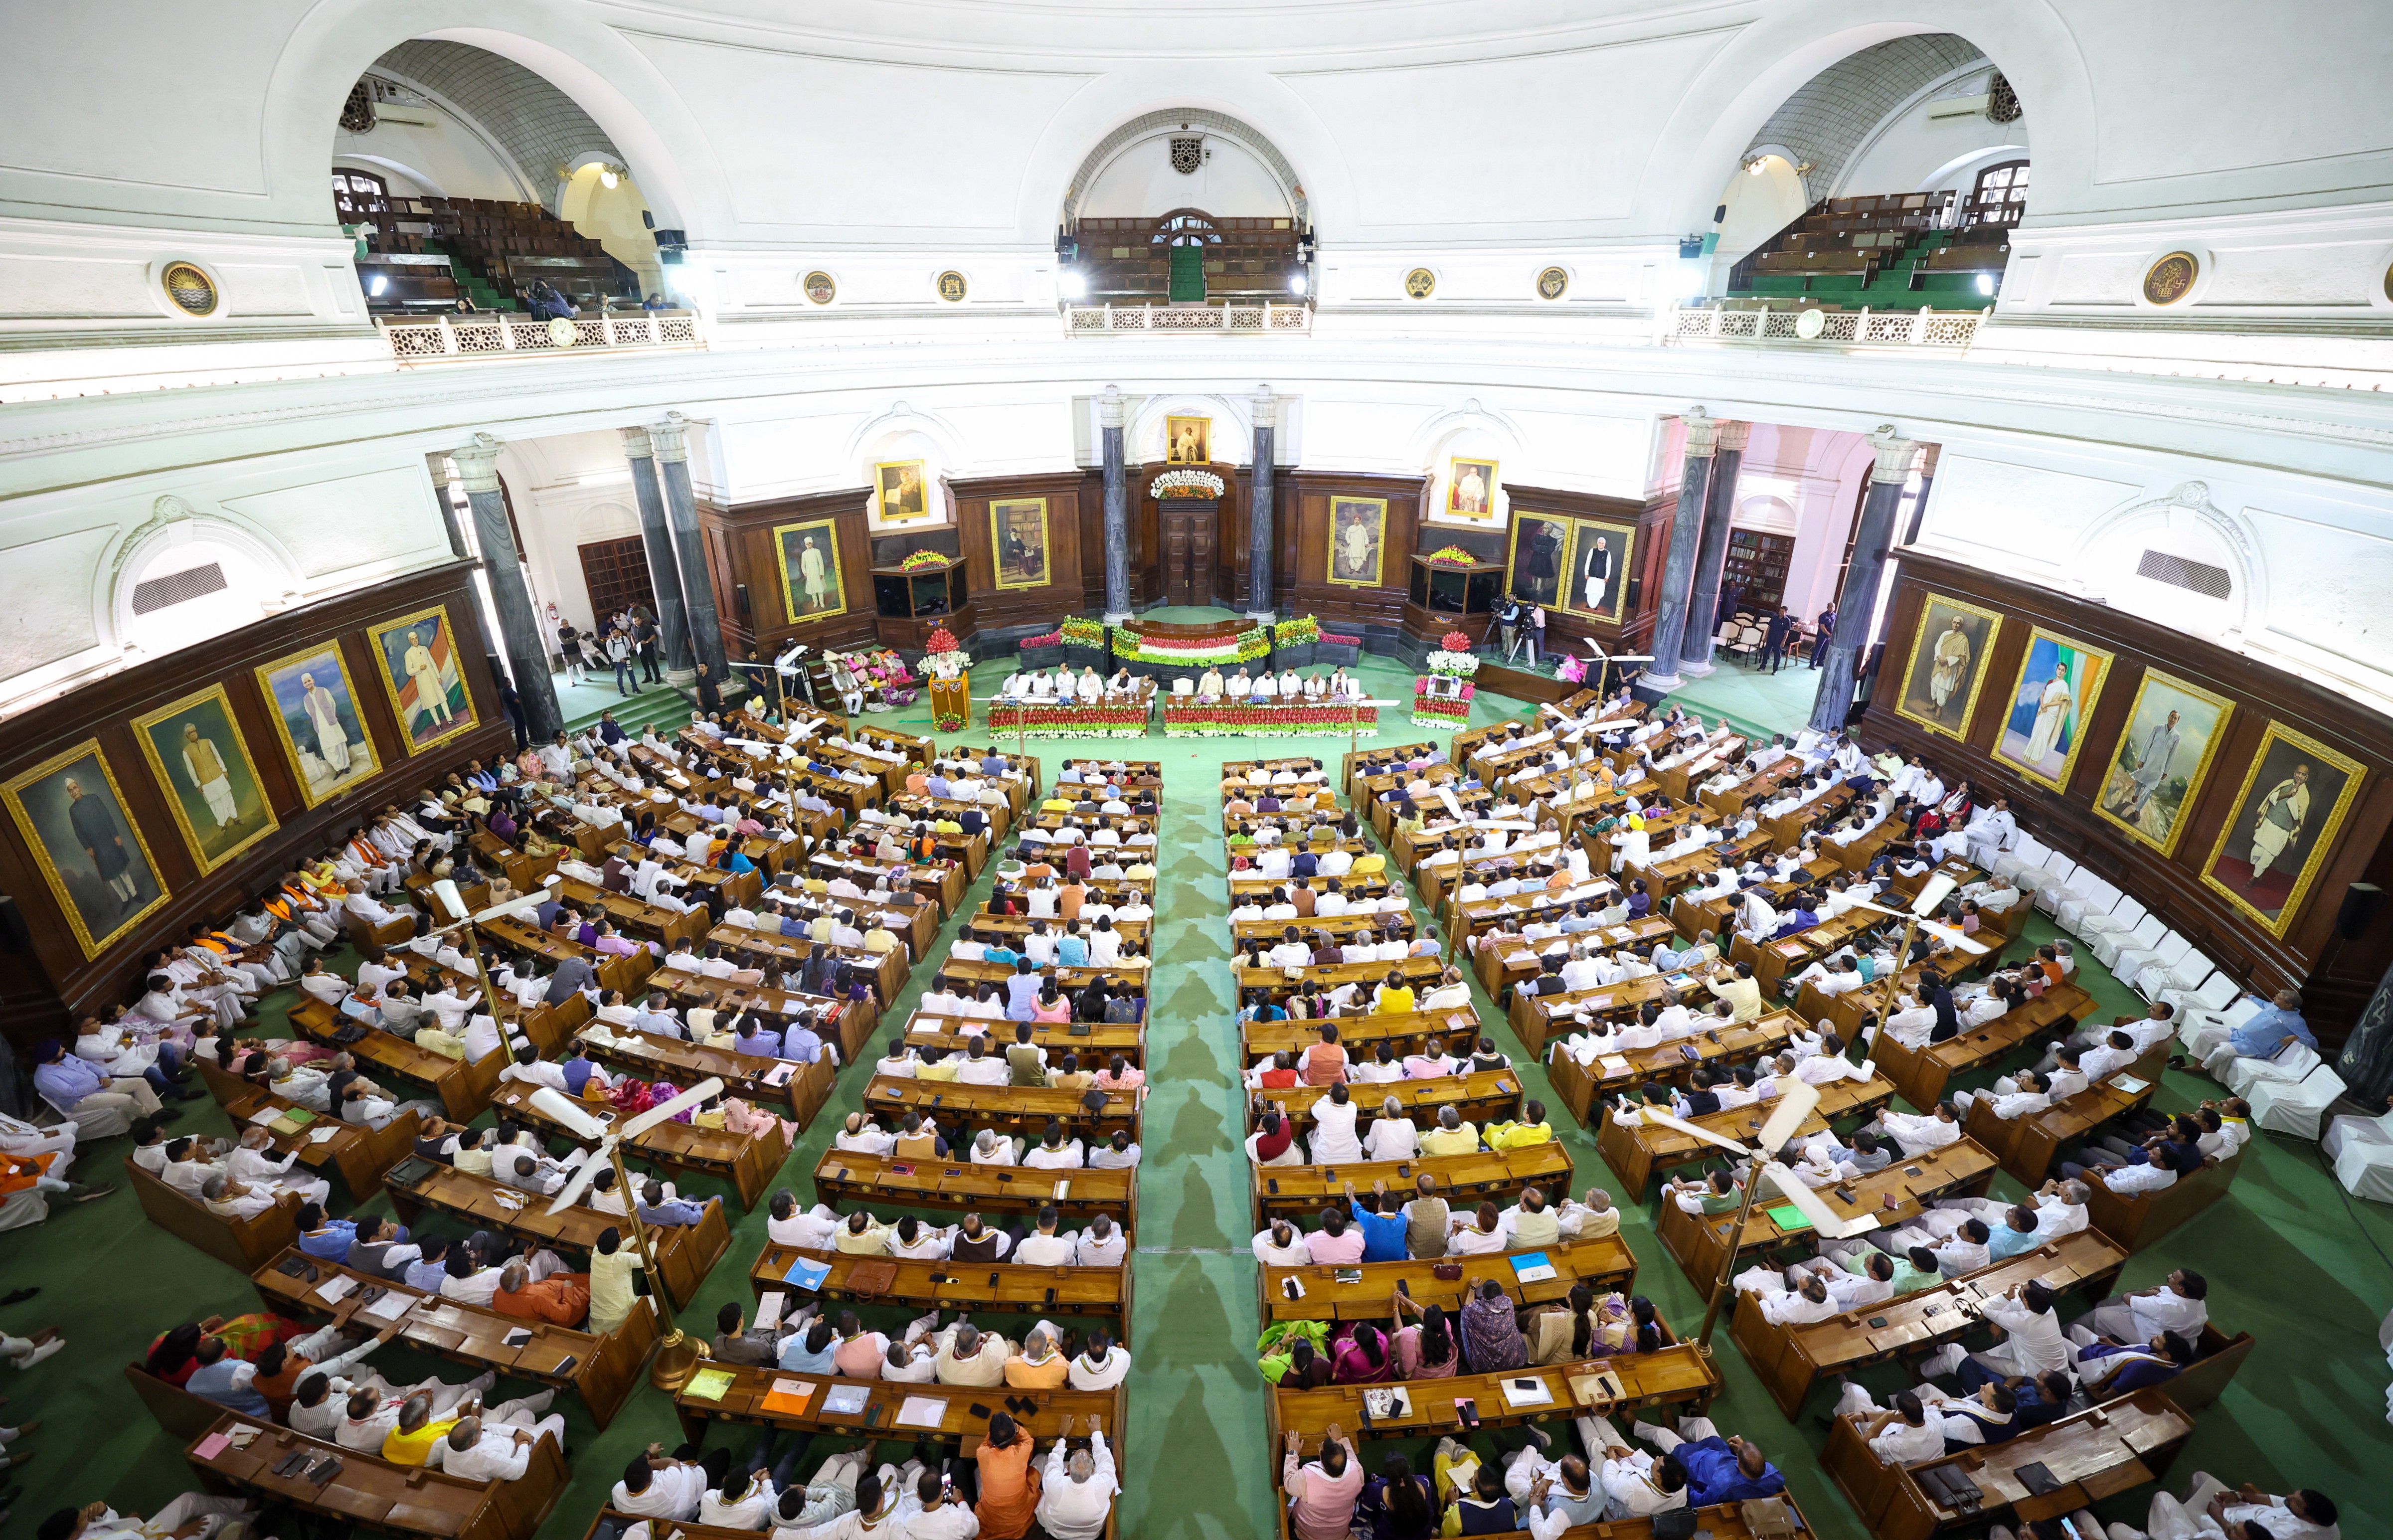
[(867, 1279)]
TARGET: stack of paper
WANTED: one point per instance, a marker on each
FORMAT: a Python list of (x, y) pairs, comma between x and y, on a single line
[(323, 1136), (709, 1384), (922, 1412), (336, 1289), (1526, 1392), (846, 1401), (389, 1308)]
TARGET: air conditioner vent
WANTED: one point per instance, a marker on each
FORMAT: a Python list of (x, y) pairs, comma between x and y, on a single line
[(2211, 582), (177, 588)]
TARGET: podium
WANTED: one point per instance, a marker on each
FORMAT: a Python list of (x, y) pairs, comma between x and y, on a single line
[(951, 703)]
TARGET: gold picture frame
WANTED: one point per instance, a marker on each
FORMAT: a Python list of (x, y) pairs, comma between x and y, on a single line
[(1620, 545), (789, 543), (1368, 516), (38, 801), (1923, 696), (2296, 758), (433, 629), (900, 490), (283, 683), (1537, 586), (2050, 658), (1019, 547), (2131, 805), (1188, 441), (208, 715), (1485, 480)]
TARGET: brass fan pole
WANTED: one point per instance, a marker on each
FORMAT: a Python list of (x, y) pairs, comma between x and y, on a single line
[(1735, 1238), (676, 1357)]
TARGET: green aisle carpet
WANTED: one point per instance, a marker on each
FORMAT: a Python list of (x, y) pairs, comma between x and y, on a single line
[(2291, 1259)]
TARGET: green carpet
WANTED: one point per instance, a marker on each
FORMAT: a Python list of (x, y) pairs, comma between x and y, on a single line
[(2290, 1257)]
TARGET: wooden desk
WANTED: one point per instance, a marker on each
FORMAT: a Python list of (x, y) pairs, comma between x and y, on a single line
[(885, 971), (1504, 962), (1493, 1093), (1718, 1045), (1924, 1073), (916, 925), (463, 1089), (1639, 1152), (1024, 1110), (1538, 1020), (614, 971), (1097, 1043), (1405, 1032), (2137, 1221), (358, 1154), (372, 1493), (241, 1243), (851, 1024), (1697, 1240), (1019, 1290), (1070, 981), (1790, 1359), (782, 1087), (1395, 753), (2029, 1146), (1772, 961), (632, 917), (743, 1403), (1014, 928), (1421, 972), (878, 1183), (1604, 1265), (684, 1253), (944, 882), (2100, 1453), (1270, 933), (1464, 1181), (746, 1161), (1677, 1375), (605, 1368)]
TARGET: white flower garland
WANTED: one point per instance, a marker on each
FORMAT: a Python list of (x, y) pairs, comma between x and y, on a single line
[(1454, 665), (1171, 481)]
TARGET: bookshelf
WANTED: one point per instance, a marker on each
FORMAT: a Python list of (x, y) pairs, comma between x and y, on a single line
[(1757, 565)]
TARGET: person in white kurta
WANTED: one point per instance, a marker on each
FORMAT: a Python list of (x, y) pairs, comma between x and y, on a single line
[(430, 694), (205, 766), (2280, 815), (2051, 711), (1952, 665), (1333, 1130), (1092, 689), (810, 574), (331, 738)]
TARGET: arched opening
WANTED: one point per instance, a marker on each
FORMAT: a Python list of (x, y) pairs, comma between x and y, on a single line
[(194, 580), (1233, 226)]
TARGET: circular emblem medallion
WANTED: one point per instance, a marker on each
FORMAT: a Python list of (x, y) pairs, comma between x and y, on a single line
[(819, 288), (1420, 283), (951, 286), (2171, 278), (192, 291), (1553, 283), (561, 332)]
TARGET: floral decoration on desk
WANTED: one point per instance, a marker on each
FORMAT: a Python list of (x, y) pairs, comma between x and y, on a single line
[(923, 560), (1451, 555), (1454, 659), (1102, 720), (1187, 482), (1228, 720), (1289, 633), (1190, 652), (1441, 710), (1081, 632), (943, 656)]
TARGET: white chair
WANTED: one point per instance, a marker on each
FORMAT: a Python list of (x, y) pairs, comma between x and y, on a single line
[(2112, 949), (2201, 1033), (2175, 965), (1727, 632), (2291, 1066), (92, 1123), (2297, 1107), (2136, 961), (2362, 1149), (2059, 872), (2023, 863), (2121, 916), (2214, 992), (24, 1208), (2086, 894), (1183, 685)]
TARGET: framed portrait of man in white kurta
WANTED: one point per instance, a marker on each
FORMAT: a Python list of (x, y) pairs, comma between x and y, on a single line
[(2051, 702)]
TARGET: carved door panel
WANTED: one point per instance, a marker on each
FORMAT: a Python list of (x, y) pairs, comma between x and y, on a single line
[(1188, 557)]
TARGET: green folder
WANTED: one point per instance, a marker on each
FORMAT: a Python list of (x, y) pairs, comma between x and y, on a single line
[(1788, 1217)]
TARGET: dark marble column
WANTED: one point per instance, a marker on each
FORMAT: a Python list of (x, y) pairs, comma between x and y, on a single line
[(1111, 407), (1661, 675), (1711, 552), (1261, 603), (689, 552), (1841, 655), (1918, 514), (664, 569), (478, 467)]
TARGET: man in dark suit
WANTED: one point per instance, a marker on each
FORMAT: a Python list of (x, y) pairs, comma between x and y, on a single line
[(572, 974)]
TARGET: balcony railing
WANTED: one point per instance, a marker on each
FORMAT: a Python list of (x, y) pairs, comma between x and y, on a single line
[(1925, 327), (1242, 317), (495, 335)]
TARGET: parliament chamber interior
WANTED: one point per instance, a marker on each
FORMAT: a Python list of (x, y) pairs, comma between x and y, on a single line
[(1195, 773)]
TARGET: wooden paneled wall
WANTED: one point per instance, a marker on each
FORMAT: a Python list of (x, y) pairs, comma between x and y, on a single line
[(1075, 524), (42, 986), (1305, 584), (1652, 521), (746, 566), (2335, 973)]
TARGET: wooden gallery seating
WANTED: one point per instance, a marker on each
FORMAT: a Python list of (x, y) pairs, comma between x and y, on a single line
[(881, 1413), (2029, 1147), (1724, 1521), (1790, 1359), (1490, 1093), (746, 1161), (1297, 1193), (1605, 1264), (1094, 1043), (373, 1493), (876, 1184), (461, 1087), (926, 1285), (244, 1244), (1923, 1074), (1639, 1151), (601, 1368), (1023, 1110), (357, 1154), (2138, 1220), (1581, 1088), (684, 1253), (1405, 1033), (2098, 1453), (782, 1087)]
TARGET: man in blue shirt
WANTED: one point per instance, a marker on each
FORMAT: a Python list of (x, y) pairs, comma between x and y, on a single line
[(330, 1239), (655, 1209), (755, 1038), (225, 1380), (2265, 1035), (800, 1043), (1719, 1469), (1383, 1231), (2017, 1234), (66, 1082)]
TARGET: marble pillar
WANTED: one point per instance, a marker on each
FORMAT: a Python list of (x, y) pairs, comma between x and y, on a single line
[(519, 630), (1841, 655), (1111, 408), (672, 443), (1262, 602), (664, 569), (1661, 675), (1711, 552)]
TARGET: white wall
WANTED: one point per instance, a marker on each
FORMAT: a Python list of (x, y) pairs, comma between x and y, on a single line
[(1912, 152), (451, 158), (1141, 180), (1759, 207)]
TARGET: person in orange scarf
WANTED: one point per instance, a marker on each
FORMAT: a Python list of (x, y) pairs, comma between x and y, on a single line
[(1009, 1482), (561, 1299)]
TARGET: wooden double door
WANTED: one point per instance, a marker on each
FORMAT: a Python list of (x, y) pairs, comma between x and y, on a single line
[(1188, 536)]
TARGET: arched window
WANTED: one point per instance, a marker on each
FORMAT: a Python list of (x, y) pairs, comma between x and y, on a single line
[(2000, 197)]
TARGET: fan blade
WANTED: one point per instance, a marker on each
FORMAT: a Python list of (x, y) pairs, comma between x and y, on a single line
[(1951, 937), (1594, 648), (1445, 795), (1632, 658), (1672, 1120), (810, 726), (1826, 1221), (688, 1101), (1787, 1113), (1878, 909), (1499, 823), (574, 1117), (570, 1193)]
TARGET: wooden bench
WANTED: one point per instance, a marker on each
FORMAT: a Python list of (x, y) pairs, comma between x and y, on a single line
[(1504, 962), (877, 1183), (782, 1087), (852, 1025), (373, 1493), (1924, 1073), (244, 1244), (1489, 1094), (742, 1402), (1024, 1110), (1718, 1045), (2030, 1146), (1638, 1152), (601, 1367), (2136, 1222), (1679, 1375), (745, 1161), (1295, 1193), (1605, 1264), (356, 1153), (927, 1285), (1790, 1359), (684, 1253), (1094, 1043), (1405, 1032), (462, 1087)]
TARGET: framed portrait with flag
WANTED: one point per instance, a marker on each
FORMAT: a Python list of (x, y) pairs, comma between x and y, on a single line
[(418, 657)]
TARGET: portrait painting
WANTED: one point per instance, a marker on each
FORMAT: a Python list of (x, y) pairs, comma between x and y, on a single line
[(1599, 569), (2051, 702), (1358, 536), (418, 654), (2162, 758), (1017, 538), (1538, 558), (1470, 488), (195, 748), (2285, 818), (1188, 441), (904, 494), (1948, 664), (316, 713), (811, 585), (72, 817)]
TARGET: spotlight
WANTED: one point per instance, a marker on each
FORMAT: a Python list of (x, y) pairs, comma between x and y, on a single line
[(1296, 285)]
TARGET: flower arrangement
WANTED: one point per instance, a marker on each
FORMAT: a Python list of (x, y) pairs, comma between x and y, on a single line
[(921, 560), (1337, 641), (1454, 659), (1441, 710), (1081, 632), (1455, 641), (952, 723), (1234, 721), (1187, 482), (1191, 652), (1102, 719), (1253, 646), (1450, 556), (1052, 639), (943, 658), (1296, 632)]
